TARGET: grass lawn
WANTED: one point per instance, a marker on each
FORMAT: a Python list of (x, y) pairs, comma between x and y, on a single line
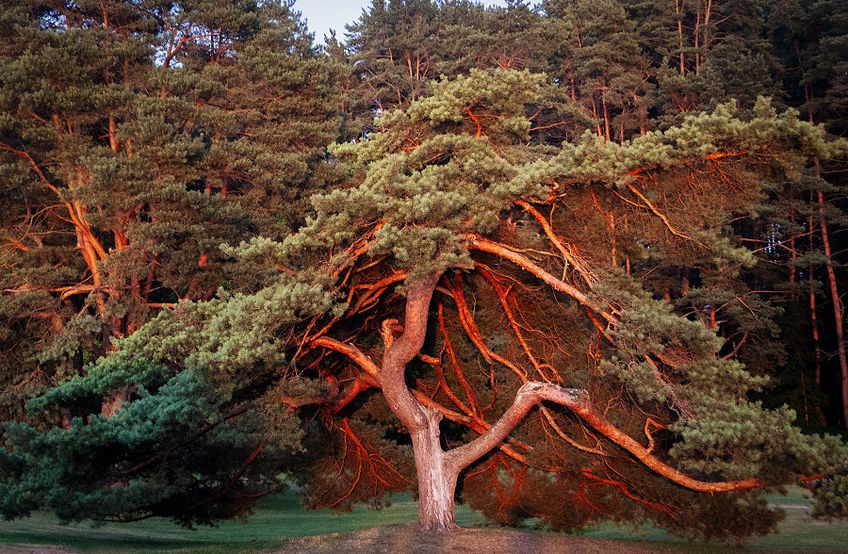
[(280, 518)]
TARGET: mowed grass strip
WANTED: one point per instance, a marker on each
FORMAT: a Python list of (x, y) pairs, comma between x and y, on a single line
[(281, 518)]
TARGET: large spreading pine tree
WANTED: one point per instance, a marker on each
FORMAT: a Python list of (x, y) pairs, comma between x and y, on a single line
[(491, 299), (546, 295)]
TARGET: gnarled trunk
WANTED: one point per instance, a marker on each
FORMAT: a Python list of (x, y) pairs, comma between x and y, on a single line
[(438, 470), (436, 476)]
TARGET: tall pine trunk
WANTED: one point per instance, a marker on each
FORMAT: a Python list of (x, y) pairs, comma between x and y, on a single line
[(814, 324), (837, 308)]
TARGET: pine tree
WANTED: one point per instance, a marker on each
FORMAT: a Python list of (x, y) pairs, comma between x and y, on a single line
[(608, 74), (491, 299), (131, 155), (809, 37), (394, 49)]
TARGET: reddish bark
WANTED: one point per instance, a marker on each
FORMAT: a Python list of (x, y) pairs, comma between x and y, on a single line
[(814, 324), (837, 308)]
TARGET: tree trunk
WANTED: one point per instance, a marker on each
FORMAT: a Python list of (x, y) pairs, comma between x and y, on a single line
[(837, 307), (438, 470), (680, 36), (814, 324), (436, 478)]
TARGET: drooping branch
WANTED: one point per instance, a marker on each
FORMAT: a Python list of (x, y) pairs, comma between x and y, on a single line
[(469, 392), (625, 490), (476, 120), (334, 400), (664, 218), (443, 383), (473, 332), (477, 242), (367, 460), (540, 367), (577, 400), (358, 386)]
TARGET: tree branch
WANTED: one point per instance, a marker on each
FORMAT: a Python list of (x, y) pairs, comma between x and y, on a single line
[(526, 398), (358, 356), (577, 400), (476, 242)]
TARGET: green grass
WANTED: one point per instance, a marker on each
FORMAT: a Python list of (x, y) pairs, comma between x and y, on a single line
[(277, 518), (798, 532), (281, 517)]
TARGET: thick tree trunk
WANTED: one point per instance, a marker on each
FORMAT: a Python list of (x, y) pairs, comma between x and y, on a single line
[(436, 478)]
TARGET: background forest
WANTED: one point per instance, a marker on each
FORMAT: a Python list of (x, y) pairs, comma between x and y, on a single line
[(157, 154)]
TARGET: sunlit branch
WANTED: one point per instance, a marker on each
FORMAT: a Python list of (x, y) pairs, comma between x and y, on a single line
[(476, 242), (578, 402)]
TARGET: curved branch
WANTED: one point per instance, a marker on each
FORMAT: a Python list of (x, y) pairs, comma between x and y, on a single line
[(466, 319), (577, 400), (358, 356), (625, 490), (473, 332), (401, 350), (566, 253), (663, 217), (525, 399)]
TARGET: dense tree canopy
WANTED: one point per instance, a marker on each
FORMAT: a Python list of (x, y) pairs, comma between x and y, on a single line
[(559, 262)]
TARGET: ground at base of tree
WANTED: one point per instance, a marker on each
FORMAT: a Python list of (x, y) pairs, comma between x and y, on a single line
[(280, 525), (407, 539)]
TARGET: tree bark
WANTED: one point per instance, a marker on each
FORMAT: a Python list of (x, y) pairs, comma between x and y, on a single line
[(680, 36), (436, 478), (837, 307)]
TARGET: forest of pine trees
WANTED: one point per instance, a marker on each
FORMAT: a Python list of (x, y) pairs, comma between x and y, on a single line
[(589, 250)]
